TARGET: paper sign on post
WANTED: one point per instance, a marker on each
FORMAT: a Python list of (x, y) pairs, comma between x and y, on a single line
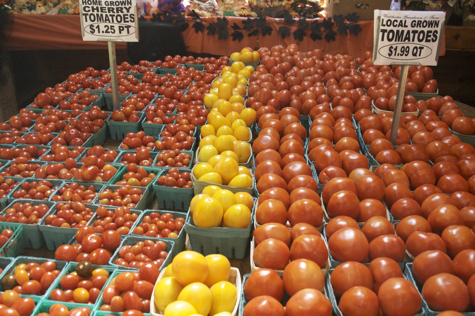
[(109, 20), (407, 37)]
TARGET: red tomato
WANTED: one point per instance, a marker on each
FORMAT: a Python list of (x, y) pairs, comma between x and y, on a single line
[(359, 300), (389, 246), (308, 302), (348, 244), (410, 224), (398, 296), (444, 292), (377, 226), (264, 305), (303, 229), (349, 274), (264, 282), (272, 230), (464, 264), (309, 247), (384, 269), (280, 254), (339, 222), (430, 263), (458, 238)]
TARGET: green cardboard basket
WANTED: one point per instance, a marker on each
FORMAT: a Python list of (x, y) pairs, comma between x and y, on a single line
[(57, 236), (32, 236), (71, 268), (141, 205), (4, 265), (97, 185), (43, 306), (60, 265), (230, 242), (133, 240), (118, 130), (190, 166), (168, 198), (14, 246), (118, 176), (4, 202), (54, 182), (179, 241)]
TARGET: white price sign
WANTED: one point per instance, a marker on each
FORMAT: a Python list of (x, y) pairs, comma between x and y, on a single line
[(109, 20), (407, 37)]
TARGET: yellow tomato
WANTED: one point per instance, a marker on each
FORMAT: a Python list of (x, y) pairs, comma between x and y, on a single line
[(242, 150), (198, 295), (218, 121), (208, 213), (256, 57), (230, 154), (225, 91), (221, 268), (242, 82), (236, 98), (248, 116), (215, 159), (246, 73), (210, 190), (168, 270), (179, 308), (209, 100), (226, 198), (21, 276), (207, 130), (81, 295), (212, 177), (242, 133), (228, 168), (224, 297), (195, 201), (232, 116), (235, 56), (100, 271), (246, 49), (241, 89), (237, 123), (245, 198), (247, 57), (190, 266), (231, 80), (201, 169), (213, 91), (236, 67), (217, 83), (237, 216), (244, 170), (224, 130), (206, 152), (21, 266), (165, 292), (208, 140), (223, 143), (223, 314), (226, 69), (225, 107), (241, 181)]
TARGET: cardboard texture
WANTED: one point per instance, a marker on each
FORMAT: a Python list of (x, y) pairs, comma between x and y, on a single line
[(363, 8)]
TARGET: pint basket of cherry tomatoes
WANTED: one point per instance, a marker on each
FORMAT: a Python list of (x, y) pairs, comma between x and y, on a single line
[(28, 213), (46, 308), (166, 225), (135, 249), (127, 291), (77, 192), (81, 283), (122, 122), (174, 190), (174, 158), (8, 184), (119, 219), (135, 198), (140, 157), (63, 221), (32, 277), (35, 189), (136, 176)]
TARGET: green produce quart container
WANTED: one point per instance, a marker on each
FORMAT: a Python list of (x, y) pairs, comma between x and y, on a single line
[(168, 198), (179, 241), (198, 67), (54, 182), (57, 236), (43, 306), (146, 199), (14, 246), (4, 265), (97, 186), (60, 265), (100, 302), (4, 202), (190, 166), (118, 130), (230, 242), (108, 99), (118, 159), (32, 236), (118, 176), (133, 240), (71, 268)]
